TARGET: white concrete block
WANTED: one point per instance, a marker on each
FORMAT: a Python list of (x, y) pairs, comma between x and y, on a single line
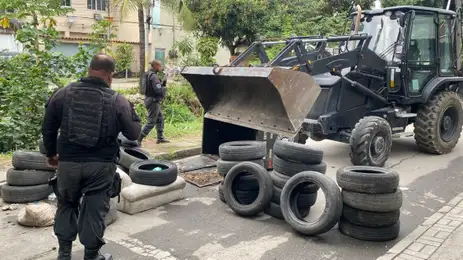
[(126, 180), (136, 198), (136, 192), (134, 207)]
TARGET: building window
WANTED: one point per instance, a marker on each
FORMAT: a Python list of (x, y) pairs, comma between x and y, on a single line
[(66, 3), (96, 4)]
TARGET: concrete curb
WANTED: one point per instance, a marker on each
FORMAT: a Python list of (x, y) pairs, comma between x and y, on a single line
[(424, 241), (179, 154)]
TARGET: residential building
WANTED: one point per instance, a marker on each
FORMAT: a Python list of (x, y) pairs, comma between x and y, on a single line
[(165, 30)]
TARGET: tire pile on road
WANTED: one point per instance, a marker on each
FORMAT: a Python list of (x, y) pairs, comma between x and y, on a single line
[(286, 193), (233, 153), (288, 160), (372, 202), (27, 181)]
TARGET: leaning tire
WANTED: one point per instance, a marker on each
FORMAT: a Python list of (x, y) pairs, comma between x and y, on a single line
[(224, 166), (242, 150), (25, 194), (428, 135), (333, 208), (289, 168), (264, 194), (373, 202), (27, 177), (371, 132), (30, 160), (279, 180), (297, 152), (128, 156), (375, 234), (304, 200), (142, 173), (368, 218), (367, 179)]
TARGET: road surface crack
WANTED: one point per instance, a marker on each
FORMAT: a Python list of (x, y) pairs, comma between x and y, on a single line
[(403, 160)]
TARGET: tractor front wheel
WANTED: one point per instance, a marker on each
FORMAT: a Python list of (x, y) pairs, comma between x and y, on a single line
[(438, 123), (370, 142)]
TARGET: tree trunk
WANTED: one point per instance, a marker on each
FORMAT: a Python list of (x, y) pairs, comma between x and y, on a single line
[(141, 32)]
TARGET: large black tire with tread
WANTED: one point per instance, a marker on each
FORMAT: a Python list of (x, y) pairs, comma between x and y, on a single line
[(301, 153), (142, 172), (224, 166), (242, 150), (28, 177), (264, 194), (333, 207), (30, 160), (373, 234), (428, 123), (367, 179), (366, 132), (25, 194)]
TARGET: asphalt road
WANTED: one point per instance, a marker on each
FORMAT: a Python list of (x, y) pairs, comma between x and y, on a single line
[(202, 227)]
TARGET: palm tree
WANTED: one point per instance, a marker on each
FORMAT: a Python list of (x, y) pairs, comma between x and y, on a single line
[(128, 6), (176, 6)]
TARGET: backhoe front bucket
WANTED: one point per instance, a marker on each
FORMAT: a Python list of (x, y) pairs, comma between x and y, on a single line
[(268, 99)]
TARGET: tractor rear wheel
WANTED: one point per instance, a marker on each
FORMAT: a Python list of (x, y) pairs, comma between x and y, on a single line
[(438, 123), (370, 142)]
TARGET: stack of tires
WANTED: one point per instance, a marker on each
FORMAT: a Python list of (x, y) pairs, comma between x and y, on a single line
[(372, 202), (288, 160), (233, 153), (27, 181)]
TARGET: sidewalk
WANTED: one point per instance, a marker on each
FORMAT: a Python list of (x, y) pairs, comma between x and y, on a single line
[(440, 237)]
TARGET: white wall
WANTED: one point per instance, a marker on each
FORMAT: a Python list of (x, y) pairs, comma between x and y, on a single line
[(9, 43)]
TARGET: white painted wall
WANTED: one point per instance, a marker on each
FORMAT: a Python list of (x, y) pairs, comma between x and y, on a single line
[(9, 43)]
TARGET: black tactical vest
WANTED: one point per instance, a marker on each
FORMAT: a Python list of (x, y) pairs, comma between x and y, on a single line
[(89, 115)]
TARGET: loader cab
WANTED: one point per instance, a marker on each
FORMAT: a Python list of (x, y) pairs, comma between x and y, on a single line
[(417, 44)]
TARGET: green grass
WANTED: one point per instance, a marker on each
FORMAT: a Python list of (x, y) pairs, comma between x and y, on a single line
[(179, 130)]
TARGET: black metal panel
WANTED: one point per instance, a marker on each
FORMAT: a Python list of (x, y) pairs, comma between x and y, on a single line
[(216, 133)]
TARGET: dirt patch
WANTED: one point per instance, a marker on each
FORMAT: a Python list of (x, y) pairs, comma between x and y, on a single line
[(203, 177)]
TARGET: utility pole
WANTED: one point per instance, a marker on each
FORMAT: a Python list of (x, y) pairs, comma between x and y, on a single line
[(147, 33)]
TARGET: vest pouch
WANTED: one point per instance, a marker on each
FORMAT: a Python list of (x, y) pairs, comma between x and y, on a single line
[(86, 110)]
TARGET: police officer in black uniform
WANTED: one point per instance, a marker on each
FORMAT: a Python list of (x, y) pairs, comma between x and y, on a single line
[(90, 115), (154, 88)]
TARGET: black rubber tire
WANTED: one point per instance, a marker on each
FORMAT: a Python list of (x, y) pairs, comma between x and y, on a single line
[(273, 209), (289, 168), (141, 172), (367, 179), (128, 156), (221, 196), (25, 194), (333, 208), (374, 234), (27, 177), (368, 218), (247, 182), (386, 202), (242, 150), (362, 138), (295, 152), (279, 180), (427, 123), (124, 142), (264, 194), (224, 166), (304, 200), (30, 160), (42, 148)]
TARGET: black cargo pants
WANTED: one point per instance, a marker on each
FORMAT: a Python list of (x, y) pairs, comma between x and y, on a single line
[(93, 180), (155, 118)]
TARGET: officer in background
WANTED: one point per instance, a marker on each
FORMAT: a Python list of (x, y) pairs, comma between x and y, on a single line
[(90, 116), (154, 88)]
